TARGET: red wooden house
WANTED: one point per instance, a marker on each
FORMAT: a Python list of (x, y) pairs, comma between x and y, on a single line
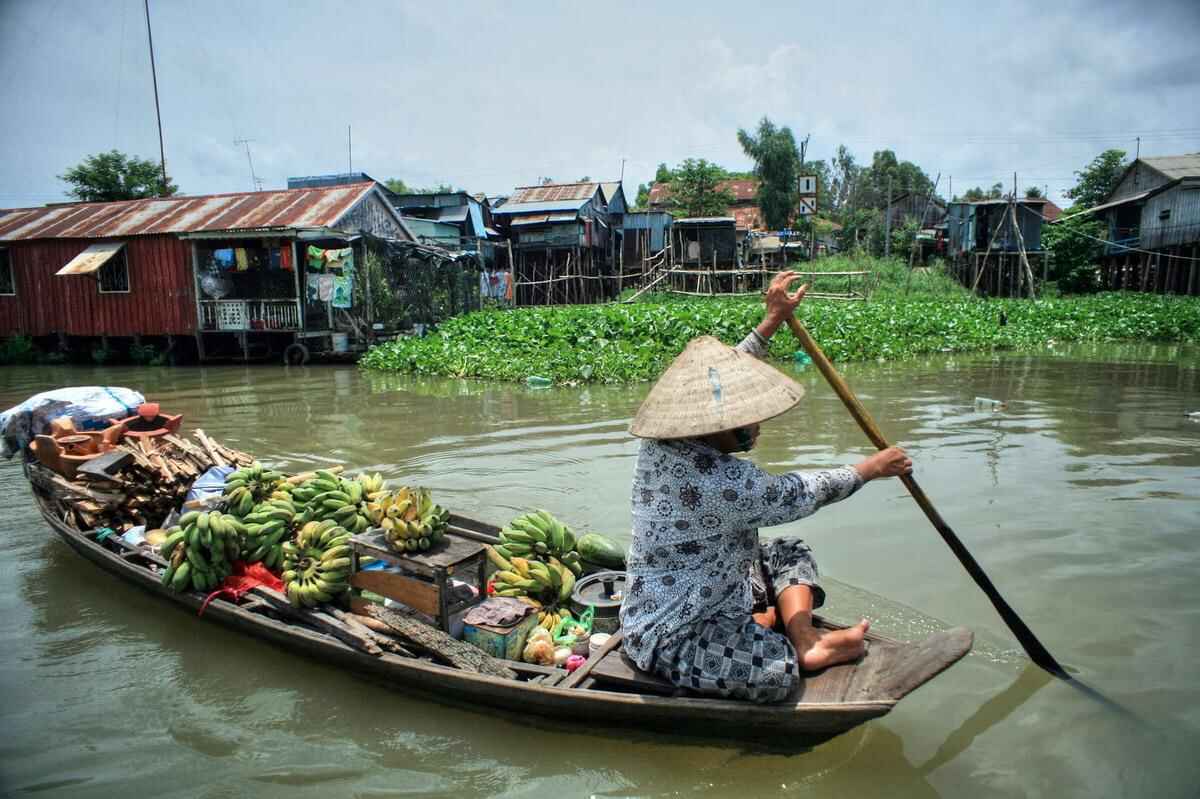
[(220, 269)]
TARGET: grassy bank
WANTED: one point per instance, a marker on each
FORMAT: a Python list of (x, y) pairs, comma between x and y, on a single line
[(629, 343)]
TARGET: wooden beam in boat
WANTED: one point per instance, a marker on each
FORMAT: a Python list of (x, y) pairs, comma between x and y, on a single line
[(583, 671), (442, 646)]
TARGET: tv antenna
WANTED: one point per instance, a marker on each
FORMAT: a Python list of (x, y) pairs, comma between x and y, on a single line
[(256, 183)]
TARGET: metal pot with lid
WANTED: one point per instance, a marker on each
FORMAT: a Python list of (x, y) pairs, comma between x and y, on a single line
[(604, 591)]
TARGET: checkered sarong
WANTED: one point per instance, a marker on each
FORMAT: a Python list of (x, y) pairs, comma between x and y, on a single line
[(740, 659)]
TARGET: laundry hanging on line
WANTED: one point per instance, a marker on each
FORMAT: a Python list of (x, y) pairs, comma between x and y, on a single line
[(342, 288), (243, 259)]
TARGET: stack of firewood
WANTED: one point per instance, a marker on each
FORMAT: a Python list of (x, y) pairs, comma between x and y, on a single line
[(153, 481)]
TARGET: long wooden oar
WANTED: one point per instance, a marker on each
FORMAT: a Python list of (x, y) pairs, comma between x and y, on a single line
[(1038, 653)]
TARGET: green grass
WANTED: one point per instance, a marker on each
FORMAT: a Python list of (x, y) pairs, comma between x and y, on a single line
[(620, 343)]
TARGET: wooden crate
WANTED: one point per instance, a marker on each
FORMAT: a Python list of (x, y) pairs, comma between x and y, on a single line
[(423, 582)]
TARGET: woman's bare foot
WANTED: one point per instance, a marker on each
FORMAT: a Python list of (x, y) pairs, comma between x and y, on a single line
[(818, 649)]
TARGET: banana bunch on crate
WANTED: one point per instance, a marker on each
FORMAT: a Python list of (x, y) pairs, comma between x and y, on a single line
[(550, 618), (410, 519), (344, 501), (316, 565), (538, 534), (266, 528), (200, 550), (250, 485), (547, 582)]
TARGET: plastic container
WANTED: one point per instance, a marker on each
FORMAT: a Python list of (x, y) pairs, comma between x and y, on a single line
[(987, 404), (341, 342), (537, 381), (596, 642)]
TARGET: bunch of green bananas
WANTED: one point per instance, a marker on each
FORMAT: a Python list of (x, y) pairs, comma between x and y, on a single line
[(410, 519), (266, 528), (199, 551), (329, 497), (316, 565), (249, 486), (538, 534), (548, 582)]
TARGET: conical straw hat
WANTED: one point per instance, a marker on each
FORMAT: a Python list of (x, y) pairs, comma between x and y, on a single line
[(712, 387)]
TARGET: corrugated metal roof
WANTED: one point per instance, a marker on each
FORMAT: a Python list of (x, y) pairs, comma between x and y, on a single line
[(706, 220), (553, 191), (1176, 166), (540, 207), (544, 219), (91, 259), (284, 209)]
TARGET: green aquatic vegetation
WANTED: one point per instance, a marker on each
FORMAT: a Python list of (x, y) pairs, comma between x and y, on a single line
[(619, 343)]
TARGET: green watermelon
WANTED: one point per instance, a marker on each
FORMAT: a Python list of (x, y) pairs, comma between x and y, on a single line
[(601, 550)]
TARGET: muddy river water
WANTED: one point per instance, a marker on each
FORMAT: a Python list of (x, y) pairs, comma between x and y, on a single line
[(1081, 498)]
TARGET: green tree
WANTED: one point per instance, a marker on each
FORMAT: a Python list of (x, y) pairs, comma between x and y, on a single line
[(1097, 180), (109, 176), (400, 187), (1034, 193), (977, 194), (776, 165), (843, 174), (871, 189), (1074, 254), (662, 174), (643, 197), (695, 189)]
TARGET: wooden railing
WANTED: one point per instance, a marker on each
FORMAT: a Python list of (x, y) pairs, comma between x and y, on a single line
[(250, 314)]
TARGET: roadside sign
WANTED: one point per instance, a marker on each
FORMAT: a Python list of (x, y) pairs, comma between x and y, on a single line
[(808, 206), (808, 184)]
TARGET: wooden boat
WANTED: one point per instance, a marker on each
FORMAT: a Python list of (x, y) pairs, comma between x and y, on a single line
[(607, 691)]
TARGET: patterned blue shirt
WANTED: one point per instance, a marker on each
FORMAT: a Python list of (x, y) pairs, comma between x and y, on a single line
[(696, 516)]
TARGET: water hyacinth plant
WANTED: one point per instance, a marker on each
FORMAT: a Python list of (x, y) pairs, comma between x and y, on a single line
[(620, 343)]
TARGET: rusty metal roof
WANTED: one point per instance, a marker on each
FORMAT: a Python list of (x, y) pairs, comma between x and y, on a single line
[(286, 209), (553, 191)]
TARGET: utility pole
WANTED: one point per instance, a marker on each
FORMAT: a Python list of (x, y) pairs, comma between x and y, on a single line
[(162, 153), (812, 251), (887, 223), (255, 183), (622, 170), (349, 150)]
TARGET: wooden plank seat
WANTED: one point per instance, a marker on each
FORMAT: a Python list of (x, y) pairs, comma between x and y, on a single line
[(616, 670)]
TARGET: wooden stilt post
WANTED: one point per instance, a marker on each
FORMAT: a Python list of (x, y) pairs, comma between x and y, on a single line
[(1191, 288)]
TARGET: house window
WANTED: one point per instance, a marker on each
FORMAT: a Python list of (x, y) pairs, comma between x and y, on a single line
[(7, 285), (114, 275), (1164, 214)]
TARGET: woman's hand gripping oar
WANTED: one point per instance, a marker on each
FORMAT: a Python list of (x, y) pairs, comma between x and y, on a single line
[(1038, 653)]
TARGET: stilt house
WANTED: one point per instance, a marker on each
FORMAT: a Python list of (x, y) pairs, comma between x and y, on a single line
[(217, 274)]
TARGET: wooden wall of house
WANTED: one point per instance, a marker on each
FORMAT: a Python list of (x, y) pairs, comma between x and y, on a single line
[(1181, 206), (161, 299), (373, 216), (1136, 180)]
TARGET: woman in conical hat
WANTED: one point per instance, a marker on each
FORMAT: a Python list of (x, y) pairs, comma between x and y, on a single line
[(695, 580)]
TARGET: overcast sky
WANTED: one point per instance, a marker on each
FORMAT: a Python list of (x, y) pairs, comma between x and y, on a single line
[(495, 95)]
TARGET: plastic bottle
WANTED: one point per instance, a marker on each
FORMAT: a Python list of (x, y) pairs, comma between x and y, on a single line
[(986, 404), (537, 381)]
